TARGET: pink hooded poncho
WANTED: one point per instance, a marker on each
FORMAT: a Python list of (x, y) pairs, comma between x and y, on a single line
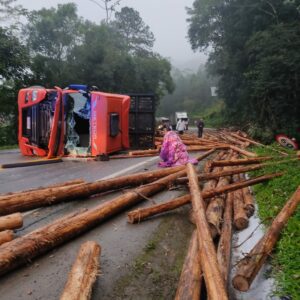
[(173, 151)]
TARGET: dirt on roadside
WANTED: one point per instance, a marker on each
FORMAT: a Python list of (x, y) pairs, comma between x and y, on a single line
[(154, 274)]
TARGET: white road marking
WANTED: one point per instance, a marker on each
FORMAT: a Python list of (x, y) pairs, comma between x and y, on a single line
[(128, 169), (108, 177)]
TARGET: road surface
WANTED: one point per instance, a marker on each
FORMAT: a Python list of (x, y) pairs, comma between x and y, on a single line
[(141, 261)]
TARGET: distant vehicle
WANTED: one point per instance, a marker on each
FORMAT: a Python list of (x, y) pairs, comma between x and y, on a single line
[(177, 116)]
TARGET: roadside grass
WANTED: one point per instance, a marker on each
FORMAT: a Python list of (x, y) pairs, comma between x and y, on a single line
[(8, 147), (271, 197)]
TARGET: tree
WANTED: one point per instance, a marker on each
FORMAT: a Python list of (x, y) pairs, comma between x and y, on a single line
[(228, 27), (135, 32), (109, 6), (51, 36)]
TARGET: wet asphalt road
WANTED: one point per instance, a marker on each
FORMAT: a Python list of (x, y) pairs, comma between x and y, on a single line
[(45, 277)]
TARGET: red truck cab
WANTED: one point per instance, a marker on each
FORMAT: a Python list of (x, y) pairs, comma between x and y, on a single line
[(76, 121)]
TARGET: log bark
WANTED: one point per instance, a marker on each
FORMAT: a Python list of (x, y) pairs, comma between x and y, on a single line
[(248, 267), (212, 275), (240, 218), (84, 273), (248, 199), (189, 286), (224, 246), (232, 171), (6, 236), (67, 183), (35, 162), (242, 151), (25, 248), (215, 208), (12, 221), (51, 196), (141, 214), (236, 162)]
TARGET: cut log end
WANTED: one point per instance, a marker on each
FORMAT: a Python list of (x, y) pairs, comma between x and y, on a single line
[(241, 223), (213, 230), (249, 208), (240, 283)]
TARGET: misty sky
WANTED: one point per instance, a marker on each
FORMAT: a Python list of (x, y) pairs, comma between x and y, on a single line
[(166, 18)]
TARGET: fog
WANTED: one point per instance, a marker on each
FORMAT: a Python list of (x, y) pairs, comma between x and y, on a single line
[(166, 19)]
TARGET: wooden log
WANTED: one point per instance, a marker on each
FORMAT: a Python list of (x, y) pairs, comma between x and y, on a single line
[(35, 162), (215, 208), (248, 199), (232, 171), (66, 183), (248, 267), (25, 248), (56, 195), (12, 221), (224, 246), (141, 214), (139, 152), (240, 218), (83, 273), (236, 162), (208, 257), (242, 151), (189, 286), (6, 236)]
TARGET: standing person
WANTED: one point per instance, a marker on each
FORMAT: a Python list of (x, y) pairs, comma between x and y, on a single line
[(200, 126), (173, 151), (180, 127)]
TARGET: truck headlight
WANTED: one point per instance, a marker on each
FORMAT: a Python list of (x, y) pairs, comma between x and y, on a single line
[(34, 95)]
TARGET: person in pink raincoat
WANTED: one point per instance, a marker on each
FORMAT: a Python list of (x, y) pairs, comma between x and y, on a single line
[(173, 151)]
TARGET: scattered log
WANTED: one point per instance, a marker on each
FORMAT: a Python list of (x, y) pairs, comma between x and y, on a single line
[(189, 286), (248, 199), (208, 257), (51, 196), (12, 221), (224, 246), (6, 236), (242, 151), (35, 162), (215, 208), (235, 162), (229, 172), (139, 152), (140, 214), (25, 248), (249, 266), (67, 183), (240, 218), (83, 273)]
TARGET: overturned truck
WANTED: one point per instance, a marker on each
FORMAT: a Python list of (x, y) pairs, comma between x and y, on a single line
[(77, 121)]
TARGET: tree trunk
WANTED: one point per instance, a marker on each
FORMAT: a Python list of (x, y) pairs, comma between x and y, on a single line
[(212, 275), (224, 246), (189, 286), (84, 273), (25, 248), (248, 267), (139, 215), (242, 151), (51, 196), (235, 162), (71, 182), (240, 218), (11, 221), (6, 236), (248, 199)]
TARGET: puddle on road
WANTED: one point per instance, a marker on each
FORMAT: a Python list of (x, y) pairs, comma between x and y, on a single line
[(263, 286)]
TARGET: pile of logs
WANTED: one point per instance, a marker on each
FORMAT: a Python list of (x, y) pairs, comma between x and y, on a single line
[(220, 202)]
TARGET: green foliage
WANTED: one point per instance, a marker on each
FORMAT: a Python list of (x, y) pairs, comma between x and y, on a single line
[(137, 35), (271, 197), (255, 54)]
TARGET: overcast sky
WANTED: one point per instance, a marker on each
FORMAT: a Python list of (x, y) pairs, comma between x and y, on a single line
[(166, 18)]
